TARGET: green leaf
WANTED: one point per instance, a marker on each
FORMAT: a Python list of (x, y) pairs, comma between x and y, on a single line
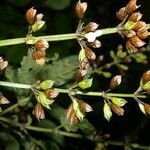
[(112, 54), (140, 57), (84, 84), (57, 4), (47, 84), (146, 86), (106, 74), (129, 25), (38, 25), (28, 72), (118, 101), (107, 111), (141, 106), (123, 67), (60, 71), (12, 143)]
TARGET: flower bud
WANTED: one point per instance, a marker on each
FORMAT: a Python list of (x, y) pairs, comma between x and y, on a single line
[(139, 25), (95, 44), (136, 41), (84, 65), (143, 33), (39, 17), (121, 14), (115, 81), (146, 76), (71, 116), (131, 6), (90, 54), (90, 27), (51, 93), (41, 45), (118, 110), (136, 16), (39, 112), (84, 106), (31, 15), (79, 75), (107, 66), (80, 9), (131, 47), (3, 100), (37, 55), (3, 64), (129, 33), (147, 108)]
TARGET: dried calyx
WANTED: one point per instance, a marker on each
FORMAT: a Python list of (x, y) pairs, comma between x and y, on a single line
[(132, 27), (39, 51)]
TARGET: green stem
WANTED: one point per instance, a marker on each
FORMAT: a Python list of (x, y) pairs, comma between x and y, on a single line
[(39, 129), (26, 86), (59, 37)]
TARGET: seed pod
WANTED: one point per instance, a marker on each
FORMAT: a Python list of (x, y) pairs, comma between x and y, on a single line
[(51, 93), (136, 41), (3, 64), (90, 54), (36, 55), (131, 6), (129, 33), (115, 81), (84, 106), (31, 15), (146, 76), (79, 75), (41, 45), (136, 16), (121, 14), (80, 9), (39, 112), (3, 100), (139, 25), (118, 110), (131, 47), (84, 65), (95, 44), (90, 27), (147, 108), (143, 33)]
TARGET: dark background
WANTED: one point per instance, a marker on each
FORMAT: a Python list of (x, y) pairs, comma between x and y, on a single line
[(60, 18)]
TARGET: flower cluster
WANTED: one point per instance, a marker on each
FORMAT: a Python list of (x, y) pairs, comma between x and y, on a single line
[(87, 38), (134, 29), (45, 95)]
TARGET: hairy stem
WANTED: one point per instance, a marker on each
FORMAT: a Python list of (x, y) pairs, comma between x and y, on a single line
[(59, 37), (26, 86)]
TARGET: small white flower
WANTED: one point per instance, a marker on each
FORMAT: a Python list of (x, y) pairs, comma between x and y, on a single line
[(91, 36)]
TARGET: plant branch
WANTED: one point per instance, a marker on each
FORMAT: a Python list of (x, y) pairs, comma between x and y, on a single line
[(26, 86), (59, 37)]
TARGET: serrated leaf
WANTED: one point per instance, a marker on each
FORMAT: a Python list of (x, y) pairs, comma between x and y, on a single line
[(84, 84), (57, 4), (118, 101), (146, 86), (28, 72), (107, 111), (141, 106), (60, 71)]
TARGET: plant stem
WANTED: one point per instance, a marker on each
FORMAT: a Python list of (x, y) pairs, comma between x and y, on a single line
[(40, 129), (59, 37), (26, 86)]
